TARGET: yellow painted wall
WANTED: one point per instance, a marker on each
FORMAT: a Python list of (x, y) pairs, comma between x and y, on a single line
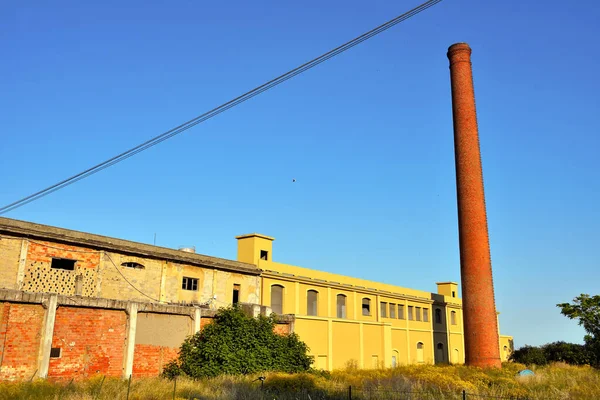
[(372, 345), (399, 343), (314, 332), (346, 343)]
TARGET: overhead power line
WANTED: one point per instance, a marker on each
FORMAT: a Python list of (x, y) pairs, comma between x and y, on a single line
[(217, 110)]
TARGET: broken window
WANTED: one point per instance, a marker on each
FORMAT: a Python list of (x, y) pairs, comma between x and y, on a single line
[(277, 299), (311, 302), (131, 264), (366, 306), (236, 294), (55, 352), (189, 283), (63, 263), (264, 255)]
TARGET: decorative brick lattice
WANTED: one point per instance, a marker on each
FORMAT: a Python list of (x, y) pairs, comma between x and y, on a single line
[(40, 278)]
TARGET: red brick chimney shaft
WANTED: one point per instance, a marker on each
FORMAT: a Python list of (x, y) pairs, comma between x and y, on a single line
[(479, 309)]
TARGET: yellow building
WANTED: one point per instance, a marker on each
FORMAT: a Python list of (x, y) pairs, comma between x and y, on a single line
[(346, 320)]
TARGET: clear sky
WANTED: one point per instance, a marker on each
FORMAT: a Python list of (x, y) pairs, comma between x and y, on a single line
[(367, 135)]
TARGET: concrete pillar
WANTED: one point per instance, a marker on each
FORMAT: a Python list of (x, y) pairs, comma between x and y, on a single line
[(130, 340), (22, 261), (47, 334), (481, 331), (197, 320)]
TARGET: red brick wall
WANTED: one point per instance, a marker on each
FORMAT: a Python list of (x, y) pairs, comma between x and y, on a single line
[(92, 341), (149, 360), (44, 254), (282, 329), (20, 336)]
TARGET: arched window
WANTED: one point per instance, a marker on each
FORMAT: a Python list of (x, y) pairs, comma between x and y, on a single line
[(395, 357), (440, 353), (438, 316), (132, 264), (277, 299), (312, 297), (453, 317), (505, 350), (420, 357), (341, 306), (366, 306)]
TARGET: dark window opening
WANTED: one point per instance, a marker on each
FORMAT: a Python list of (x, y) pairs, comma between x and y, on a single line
[(392, 310), (189, 283), (384, 308), (55, 352), (426, 315), (453, 293), (277, 299), (400, 311), (341, 306), (366, 306), (63, 263), (410, 313), (264, 255), (236, 294), (311, 302), (438, 316), (132, 264)]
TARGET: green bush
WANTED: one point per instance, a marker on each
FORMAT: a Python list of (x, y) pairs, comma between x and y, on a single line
[(529, 355), (570, 353), (236, 344)]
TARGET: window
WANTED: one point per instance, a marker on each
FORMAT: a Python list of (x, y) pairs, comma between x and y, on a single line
[(383, 309), (440, 353), (277, 299), (438, 316), (426, 315), (311, 302), (418, 313), (453, 317), (453, 293), (55, 352), (189, 283), (341, 306), (236, 294), (132, 264), (264, 255), (63, 263), (410, 313), (392, 310), (440, 346), (366, 306), (420, 352), (400, 311)]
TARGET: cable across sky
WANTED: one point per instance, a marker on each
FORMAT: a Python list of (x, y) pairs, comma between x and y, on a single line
[(217, 110)]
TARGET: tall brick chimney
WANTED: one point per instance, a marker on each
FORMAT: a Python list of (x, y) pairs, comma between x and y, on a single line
[(479, 309)]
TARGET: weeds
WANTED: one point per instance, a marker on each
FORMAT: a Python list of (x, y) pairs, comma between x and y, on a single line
[(557, 381)]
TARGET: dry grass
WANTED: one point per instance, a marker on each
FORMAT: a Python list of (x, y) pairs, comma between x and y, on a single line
[(425, 382)]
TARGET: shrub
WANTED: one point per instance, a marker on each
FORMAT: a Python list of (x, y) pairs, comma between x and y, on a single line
[(570, 353), (235, 344), (529, 355)]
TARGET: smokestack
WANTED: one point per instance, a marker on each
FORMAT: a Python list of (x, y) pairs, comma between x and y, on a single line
[(479, 309)]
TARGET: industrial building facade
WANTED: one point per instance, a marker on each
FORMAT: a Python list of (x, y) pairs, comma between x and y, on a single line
[(74, 304)]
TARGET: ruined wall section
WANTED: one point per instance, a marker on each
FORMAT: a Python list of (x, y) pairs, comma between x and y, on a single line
[(40, 277), (10, 251), (20, 336)]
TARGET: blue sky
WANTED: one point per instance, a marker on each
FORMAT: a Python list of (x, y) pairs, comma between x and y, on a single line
[(367, 136)]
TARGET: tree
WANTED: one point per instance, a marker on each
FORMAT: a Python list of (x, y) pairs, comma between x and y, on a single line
[(529, 355), (235, 343), (586, 309)]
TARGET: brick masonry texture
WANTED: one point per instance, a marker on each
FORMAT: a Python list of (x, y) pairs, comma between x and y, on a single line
[(20, 337), (479, 310), (149, 360), (92, 341), (10, 250)]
